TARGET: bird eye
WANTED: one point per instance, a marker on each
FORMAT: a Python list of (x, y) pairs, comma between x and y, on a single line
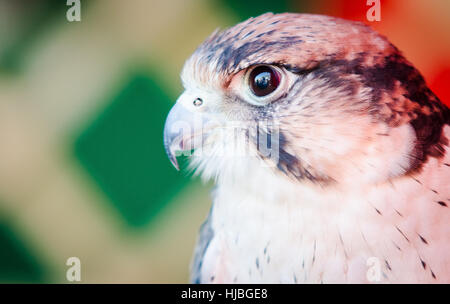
[(263, 80)]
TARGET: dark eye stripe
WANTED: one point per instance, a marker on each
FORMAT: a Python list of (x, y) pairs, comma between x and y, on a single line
[(300, 71)]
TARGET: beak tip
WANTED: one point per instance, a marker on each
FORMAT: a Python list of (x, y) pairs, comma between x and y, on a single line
[(175, 163), (172, 157)]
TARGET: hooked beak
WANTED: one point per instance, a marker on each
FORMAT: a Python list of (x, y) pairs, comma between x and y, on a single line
[(181, 131)]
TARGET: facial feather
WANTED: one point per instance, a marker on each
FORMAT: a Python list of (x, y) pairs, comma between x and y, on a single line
[(356, 109)]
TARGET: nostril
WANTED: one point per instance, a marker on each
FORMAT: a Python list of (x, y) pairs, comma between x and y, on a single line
[(198, 102)]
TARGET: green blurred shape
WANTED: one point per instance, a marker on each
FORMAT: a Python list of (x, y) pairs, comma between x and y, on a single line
[(253, 8), (123, 151), (17, 264)]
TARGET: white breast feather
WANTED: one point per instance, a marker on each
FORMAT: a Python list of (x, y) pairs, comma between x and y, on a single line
[(300, 233)]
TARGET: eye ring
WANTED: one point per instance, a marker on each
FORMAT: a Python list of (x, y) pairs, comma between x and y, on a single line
[(263, 80)]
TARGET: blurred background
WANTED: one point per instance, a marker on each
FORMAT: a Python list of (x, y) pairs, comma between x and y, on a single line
[(82, 106)]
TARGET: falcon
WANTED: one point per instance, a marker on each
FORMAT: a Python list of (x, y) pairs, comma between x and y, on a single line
[(329, 152)]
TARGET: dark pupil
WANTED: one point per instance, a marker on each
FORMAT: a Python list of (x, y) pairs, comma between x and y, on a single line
[(263, 80)]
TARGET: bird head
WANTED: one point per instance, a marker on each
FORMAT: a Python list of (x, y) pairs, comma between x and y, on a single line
[(312, 98)]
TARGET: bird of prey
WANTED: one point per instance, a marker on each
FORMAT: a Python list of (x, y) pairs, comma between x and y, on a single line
[(329, 152)]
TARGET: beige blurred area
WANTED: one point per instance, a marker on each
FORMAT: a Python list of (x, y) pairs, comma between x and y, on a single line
[(49, 199)]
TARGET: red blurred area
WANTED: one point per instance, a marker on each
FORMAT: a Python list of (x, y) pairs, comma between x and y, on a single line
[(440, 84), (419, 28), (350, 9)]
